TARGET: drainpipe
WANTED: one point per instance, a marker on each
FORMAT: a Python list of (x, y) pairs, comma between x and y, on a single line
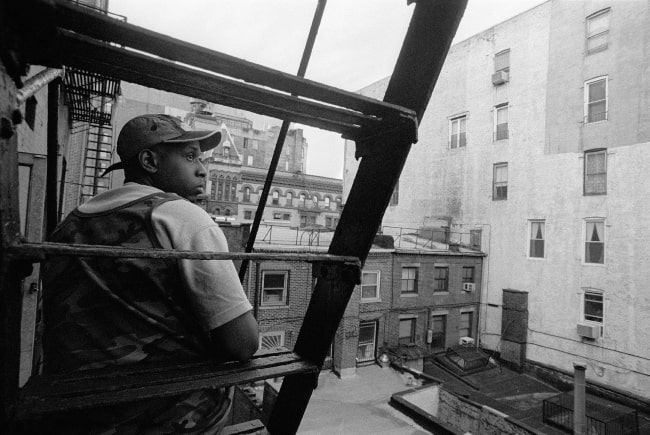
[(34, 84), (579, 405)]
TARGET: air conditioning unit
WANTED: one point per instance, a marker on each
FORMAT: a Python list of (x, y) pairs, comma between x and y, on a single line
[(499, 77), (466, 341), (469, 286), (589, 331)]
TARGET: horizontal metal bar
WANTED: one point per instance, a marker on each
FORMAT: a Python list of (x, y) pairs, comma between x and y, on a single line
[(42, 251), (102, 27), (85, 53), (84, 389)]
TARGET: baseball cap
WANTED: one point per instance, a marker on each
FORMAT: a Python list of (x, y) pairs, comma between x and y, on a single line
[(145, 131)]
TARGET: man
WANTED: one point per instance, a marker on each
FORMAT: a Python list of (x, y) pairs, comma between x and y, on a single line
[(101, 311)]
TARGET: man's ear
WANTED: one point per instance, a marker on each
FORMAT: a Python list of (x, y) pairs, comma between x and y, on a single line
[(149, 160)]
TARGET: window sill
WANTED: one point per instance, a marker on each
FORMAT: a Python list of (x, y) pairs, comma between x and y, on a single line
[(595, 194), (536, 258), (408, 295), (594, 122), (273, 307), (593, 264), (441, 293), (369, 301)]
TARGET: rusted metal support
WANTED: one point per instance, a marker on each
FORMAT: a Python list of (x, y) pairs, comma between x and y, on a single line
[(34, 84), (427, 42), (51, 215), (40, 251), (282, 135)]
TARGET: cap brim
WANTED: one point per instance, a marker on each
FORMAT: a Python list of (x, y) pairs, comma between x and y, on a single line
[(207, 139), (114, 166)]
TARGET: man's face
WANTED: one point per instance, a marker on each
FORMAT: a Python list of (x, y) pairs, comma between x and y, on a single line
[(180, 169)]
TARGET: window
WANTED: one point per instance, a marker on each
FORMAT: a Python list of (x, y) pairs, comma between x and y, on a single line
[(593, 306), (457, 132), (248, 214), (370, 285), (274, 288), (468, 274), (501, 122), (502, 61), (537, 236), (286, 216), (233, 190), (289, 199), (245, 143), (328, 222), (271, 340), (595, 182), (226, 190), (367, 341), (475, 238), (314, 200), (338, 203), (277, 216), (394, 199), (249, 160), (326, 200), (439, 329), (465, 327), (596, 100), (441, 279), (220, 188), (409, 280), (303, 198), (213, 189), (597, 31), (227, 212), (275, 197), (247, 194), (595, 241), (407, 331), (500, 183)]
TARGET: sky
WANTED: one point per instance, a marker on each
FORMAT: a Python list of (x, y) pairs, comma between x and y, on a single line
[(357, 44)]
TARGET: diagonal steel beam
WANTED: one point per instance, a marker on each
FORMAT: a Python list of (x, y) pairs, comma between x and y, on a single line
[(427, 42)]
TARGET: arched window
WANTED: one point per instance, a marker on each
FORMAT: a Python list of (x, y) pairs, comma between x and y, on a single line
[(247, 194), (227, 212), (275, 197), (233, 190), (303, 198), (289, 199), (220, 189), (213, 189), (226, 190), (217, 211), (315, 200), (327, 202)]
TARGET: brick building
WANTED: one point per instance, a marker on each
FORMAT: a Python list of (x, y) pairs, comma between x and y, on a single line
[(537, 136)]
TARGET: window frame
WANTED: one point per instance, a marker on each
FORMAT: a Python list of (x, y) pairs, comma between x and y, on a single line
[(531, 238), (440, 334), (585, 184), (284, 299), (496, 184), (496, 56), (500, 135), (587, 103), (412, 335), (246, 196), (591, 36), (587, 242), (377, 297), (464, 279), (441, 285), (275, 197), (403, 281), (458, 140)]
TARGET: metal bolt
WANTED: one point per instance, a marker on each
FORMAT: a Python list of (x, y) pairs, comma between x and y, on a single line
[(6, 128)]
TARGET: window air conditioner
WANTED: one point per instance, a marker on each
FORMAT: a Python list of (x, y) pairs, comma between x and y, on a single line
[(588, 330), (499, 78), (466, 341), (469, 286)]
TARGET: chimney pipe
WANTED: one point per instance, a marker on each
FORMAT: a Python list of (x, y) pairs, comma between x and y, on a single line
[(579, 401)]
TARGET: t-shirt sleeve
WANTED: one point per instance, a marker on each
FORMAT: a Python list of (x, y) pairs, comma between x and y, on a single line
[(212, 286)]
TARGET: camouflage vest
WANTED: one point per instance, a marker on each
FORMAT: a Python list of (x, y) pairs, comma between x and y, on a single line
[(101, 311)]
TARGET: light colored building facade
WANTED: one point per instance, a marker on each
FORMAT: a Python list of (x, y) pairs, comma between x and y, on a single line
[(538, 134)]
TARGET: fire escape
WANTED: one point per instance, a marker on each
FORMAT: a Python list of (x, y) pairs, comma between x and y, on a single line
[(56, 33), (90, 98)]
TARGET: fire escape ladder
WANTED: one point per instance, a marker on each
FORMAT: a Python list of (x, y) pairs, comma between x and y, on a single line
[(58, 33)]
